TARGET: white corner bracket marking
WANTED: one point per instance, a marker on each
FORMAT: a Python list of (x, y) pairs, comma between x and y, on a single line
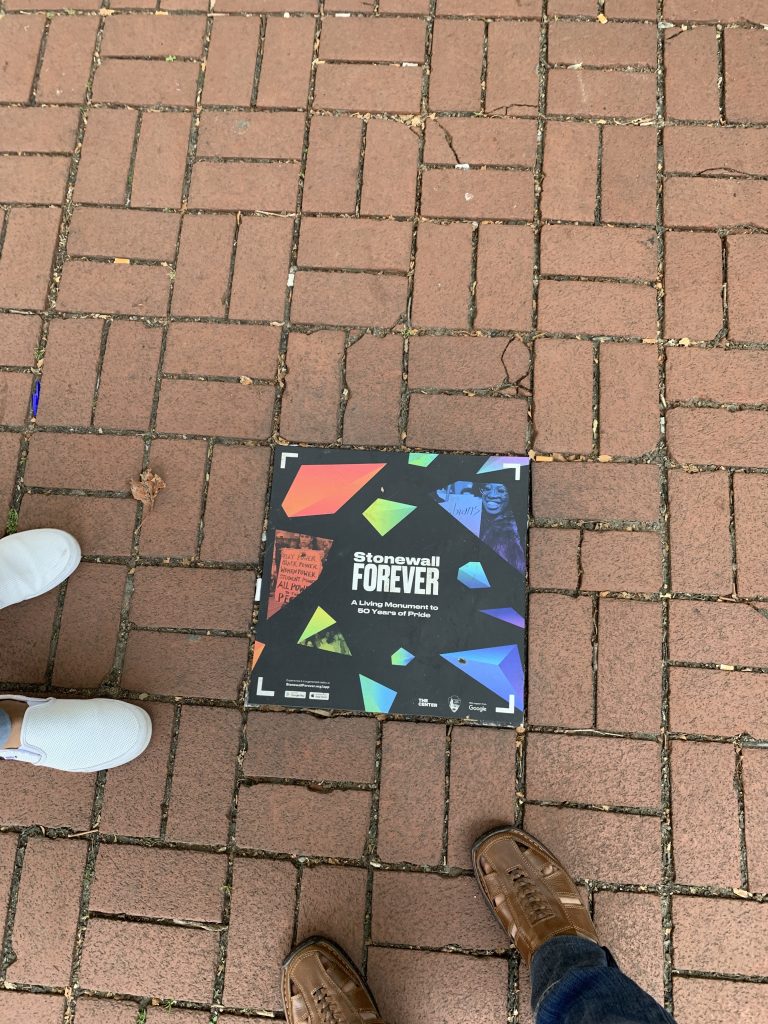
[(260, 691), (287, 455), (509, 710), (512, 465)]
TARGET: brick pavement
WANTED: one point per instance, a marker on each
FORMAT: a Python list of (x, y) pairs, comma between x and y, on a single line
[(469, 225)]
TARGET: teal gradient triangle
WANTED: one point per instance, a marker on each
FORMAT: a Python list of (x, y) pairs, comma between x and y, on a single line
[(402, 657), (472, 575), (376, 697)]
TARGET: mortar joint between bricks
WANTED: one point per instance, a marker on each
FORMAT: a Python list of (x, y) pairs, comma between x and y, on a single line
[(738, 785), (283, 368), (372, 841), (297, 903), (420, 131), (226, 915), (446, 793), (7, 953), (89, 870), (204, 500), (345, 390), (39, 64), (173, 746), (55, 633)]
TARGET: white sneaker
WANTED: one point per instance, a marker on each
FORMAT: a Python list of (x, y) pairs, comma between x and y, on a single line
[(80, 735), (34, 562)]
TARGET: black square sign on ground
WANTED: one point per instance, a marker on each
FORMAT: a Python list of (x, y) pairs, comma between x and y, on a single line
[(394, 582)]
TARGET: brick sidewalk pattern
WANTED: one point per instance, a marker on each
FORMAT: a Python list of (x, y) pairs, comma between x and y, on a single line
[(453, 225)]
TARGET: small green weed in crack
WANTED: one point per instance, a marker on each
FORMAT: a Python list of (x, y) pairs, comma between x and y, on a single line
[(11, 522)]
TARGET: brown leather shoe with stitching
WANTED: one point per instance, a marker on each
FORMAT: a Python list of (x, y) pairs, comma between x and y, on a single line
[(529, 890), (322, 986)]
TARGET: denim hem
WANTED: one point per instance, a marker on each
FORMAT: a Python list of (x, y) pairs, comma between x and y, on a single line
[(575, 981)]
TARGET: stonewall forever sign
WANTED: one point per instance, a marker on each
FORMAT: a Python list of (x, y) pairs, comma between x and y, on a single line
[(394, 582)]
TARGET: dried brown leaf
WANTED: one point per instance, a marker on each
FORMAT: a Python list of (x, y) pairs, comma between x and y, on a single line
[(146, 490)]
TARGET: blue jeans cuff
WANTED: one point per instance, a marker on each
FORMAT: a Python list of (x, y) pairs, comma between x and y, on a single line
[(575, 981)]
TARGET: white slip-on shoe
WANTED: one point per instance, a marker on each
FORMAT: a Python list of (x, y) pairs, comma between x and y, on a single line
[(34, 562), (80, 735)]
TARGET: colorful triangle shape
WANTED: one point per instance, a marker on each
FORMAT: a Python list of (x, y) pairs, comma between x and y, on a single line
[(422, 459), (377, 698), (498, 669), (402, 657), (258, 650), (506, 615), (319, 621), (384, 515), (473, 576), (322, 490)]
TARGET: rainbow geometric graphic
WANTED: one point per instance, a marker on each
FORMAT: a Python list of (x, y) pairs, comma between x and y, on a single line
[(402, 657), (497, 462), (319, 622), (506, 615), (322, 490), (376, 697), (384, 515), (320, 634), (499, 669), (472, 575), (422, 459), (258, 650)]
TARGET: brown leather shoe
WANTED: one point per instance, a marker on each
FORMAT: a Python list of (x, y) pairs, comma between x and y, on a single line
[(529, 890), (320, 985)]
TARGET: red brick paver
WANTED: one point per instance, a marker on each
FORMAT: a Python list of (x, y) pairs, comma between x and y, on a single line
[(464, 225)]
